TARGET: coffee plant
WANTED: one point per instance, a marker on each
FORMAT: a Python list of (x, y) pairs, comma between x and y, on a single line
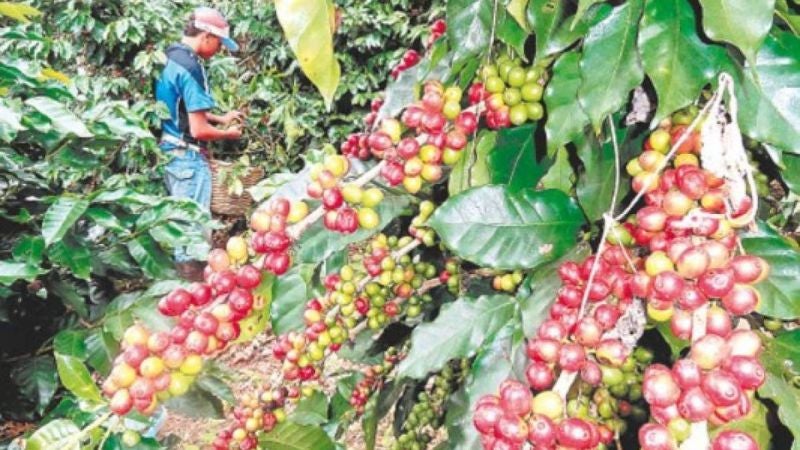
[(563, 225)]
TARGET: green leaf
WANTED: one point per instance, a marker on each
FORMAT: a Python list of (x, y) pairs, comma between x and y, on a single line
[(516, 8), (291, 436), (766, 89), (318, 243), (493, 365), (538, 292), (791, 173), (216, 387), (781, 289), (60, 216), (73, 255), (307, 26), (743, 23), (29, 250), (675, 344), (565, 117), (311, 410), (9, 123), (510, 32), (37, 380), (560, 176), (675, 59), (257, 322), (12, 271), (583, 7), (610, 66), (57, 434), (104, 218), (153, 261), (76, 377), (459, 331), (469, 24), (493, 227), (101, 348), (596, 183), (513, 160), (71, 343), (788, 400), (62, 119), (472, 169), (289, 297), (555, 31)]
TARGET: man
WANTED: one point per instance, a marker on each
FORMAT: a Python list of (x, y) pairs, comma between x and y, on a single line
[(183, 87)]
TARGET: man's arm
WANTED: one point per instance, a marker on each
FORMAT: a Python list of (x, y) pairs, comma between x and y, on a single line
[(201, 128), (225, 119)]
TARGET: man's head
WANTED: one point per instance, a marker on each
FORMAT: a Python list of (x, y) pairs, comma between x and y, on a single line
[(208, 30)]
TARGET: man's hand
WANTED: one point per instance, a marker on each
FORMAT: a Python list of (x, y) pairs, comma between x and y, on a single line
[(232, 116), (233, 132)]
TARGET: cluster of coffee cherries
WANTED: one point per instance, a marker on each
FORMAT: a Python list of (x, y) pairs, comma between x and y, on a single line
[(269, 238), (427, 414), (373, 378), (507, 282), (257, 412), (451, 275), (410, 59), (715, 382), (438, 28), (419, 229), (157, 365), (512, 93), (347, 206), (379, 289)]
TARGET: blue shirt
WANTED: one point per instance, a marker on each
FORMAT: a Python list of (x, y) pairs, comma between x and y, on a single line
[(183, 87)]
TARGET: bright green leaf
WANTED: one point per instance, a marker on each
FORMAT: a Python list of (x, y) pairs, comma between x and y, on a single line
[(153, 261), (743, 23), (516, 8), (307, 25), (13, 271), (76, 377), (469, 24), (73, 255), (513, 160), (291, 436), (289, 296), (596, 183), (71, 343), (58, 434), (458, 331), (565, 117), (19, 11), (781, 290), (583, 7), (510, 32), (29, 250), (62, 119), (674, 58), (561, 176), (610, 66), (60, 217), (494, 227)]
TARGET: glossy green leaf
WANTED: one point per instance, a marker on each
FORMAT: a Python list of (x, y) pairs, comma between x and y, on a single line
[(291, 436), (13, 271), (10, 123), (60, 117), (153, 261), (307, 26), (197, 403), (517, 8), (216, 387), (101, 348), (494, 227), (781, 290), (459, 331), (788, 399), (29, 250), (73, 255), (610, 66), (754, 424), (469, 24), (311, 410), (513, 160), (60, 217), (768, 91), (560, 176), (37, 380), (57, 434), (555, 30), (472, 169), (510, 32), (71, 343), (596, 183), (565, 117), (318, 243), (782, 353), (493, 365), (743, 23), (537, 293), (76, 377), (289, 296), (791, 173), (675, 59), (583, 7)]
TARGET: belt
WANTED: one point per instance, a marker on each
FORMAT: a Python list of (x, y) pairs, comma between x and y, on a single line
[(182, 145)]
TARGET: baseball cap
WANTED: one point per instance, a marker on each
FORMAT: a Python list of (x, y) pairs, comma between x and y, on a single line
[(212, 21)]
